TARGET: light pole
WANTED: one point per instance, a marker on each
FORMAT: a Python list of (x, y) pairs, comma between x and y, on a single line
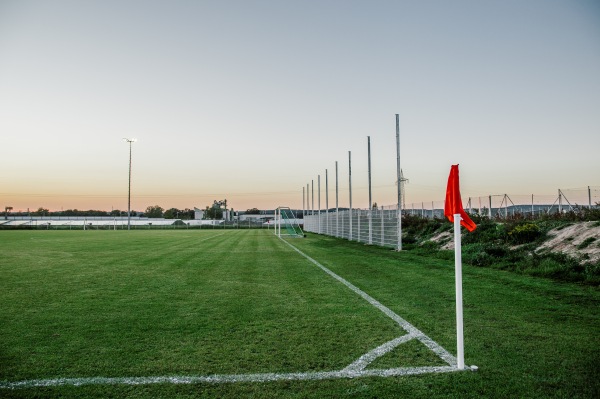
[(130, 141)]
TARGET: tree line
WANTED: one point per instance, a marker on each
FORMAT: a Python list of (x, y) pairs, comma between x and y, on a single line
[(157, 211), (41, 211), (154, 211)]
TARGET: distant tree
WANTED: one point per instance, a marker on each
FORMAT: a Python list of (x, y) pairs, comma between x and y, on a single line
[(41, 212), (374, 205), (183, 214), (115, 212), (174, 213), (253, 211), (95, 212), (213, 213), (154, 212), (76, 212), (188, 214)]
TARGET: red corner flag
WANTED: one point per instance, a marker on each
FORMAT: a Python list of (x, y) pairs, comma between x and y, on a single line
[(454, 203)]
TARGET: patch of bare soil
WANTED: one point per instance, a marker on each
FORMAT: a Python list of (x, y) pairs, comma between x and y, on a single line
[(446, 239), (580, 241)]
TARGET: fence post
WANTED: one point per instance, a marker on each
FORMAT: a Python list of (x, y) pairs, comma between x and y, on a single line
[(337, 211), (326, 203), (342, 231), (312, 192), (319, 201), (382, 229), (307, 201), (350, 189), (370, 214), (358, 225), (399, 205), (559, 201)]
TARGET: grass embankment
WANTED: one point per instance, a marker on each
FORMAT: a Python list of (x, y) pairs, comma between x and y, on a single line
[(510, 244), (169, 303)]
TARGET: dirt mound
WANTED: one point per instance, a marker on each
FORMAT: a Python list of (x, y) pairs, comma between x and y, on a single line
[(580, 241), (445, 239)]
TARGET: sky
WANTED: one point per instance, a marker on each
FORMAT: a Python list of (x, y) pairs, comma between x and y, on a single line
[(250, 101)]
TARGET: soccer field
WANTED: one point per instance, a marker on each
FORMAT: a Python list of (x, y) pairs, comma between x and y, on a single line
[(228, 313)]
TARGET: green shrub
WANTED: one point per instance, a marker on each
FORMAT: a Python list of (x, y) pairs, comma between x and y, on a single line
[(525, 233), (496, 251), (487, 231), (409, 239), (592, 273)]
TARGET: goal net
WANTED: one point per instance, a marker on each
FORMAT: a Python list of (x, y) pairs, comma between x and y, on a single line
[(286, 223)]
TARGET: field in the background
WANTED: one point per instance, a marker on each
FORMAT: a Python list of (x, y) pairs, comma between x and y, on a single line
[(80, 304)]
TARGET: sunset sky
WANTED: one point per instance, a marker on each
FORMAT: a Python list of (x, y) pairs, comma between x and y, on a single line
[(251, 100)]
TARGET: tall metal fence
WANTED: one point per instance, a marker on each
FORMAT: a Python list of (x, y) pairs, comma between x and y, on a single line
[(377, 227), (381, 226)]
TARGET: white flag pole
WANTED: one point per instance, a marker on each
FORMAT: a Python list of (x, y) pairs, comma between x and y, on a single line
[(460, 351)]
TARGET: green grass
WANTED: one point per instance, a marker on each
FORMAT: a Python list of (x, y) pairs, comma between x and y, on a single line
[(586, 243), (149, 303)]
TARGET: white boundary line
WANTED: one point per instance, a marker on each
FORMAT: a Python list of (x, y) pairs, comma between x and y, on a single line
[(412, 330), (354, 370), (227, 378)]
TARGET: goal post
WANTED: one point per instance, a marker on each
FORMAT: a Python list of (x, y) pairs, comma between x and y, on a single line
[(284, 217)]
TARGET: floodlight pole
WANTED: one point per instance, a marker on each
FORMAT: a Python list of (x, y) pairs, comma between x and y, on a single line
[(130, 141)]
